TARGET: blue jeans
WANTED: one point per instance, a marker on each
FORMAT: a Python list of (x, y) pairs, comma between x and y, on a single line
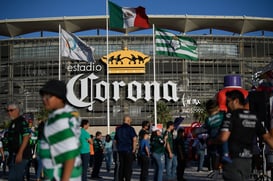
[(17, 171), (39, 167), (171, 164), (108, 159), (159, 162), (201, 158), (225, 148), (85, 162), (5, 162)]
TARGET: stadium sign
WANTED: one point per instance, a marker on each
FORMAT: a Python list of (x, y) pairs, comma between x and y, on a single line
[(89, 89), (86, 96)]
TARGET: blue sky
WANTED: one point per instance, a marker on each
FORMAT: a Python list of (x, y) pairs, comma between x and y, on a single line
[(10, 9), (13, 9)]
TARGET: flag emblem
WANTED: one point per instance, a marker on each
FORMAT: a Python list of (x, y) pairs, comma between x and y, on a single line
[(170, 44), (75, 48), (127, 17), (175, 43), (70, 44)]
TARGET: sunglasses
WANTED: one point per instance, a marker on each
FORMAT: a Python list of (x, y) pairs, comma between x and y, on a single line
[(10, 110)]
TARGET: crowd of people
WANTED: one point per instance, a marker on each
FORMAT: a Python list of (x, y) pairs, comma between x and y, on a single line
[(61, 148)]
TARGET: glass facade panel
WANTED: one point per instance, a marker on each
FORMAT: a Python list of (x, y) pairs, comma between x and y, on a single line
[(26, 64)]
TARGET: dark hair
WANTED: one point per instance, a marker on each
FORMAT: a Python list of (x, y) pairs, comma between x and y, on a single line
[(108, 138), (180, 131), (211, 104), (145, 123), (98, 133), (169, 123), (143, 133), (236, 94), (153, 135), (84, 122)]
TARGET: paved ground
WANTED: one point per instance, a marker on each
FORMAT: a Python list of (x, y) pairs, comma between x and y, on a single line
[(190, 174)]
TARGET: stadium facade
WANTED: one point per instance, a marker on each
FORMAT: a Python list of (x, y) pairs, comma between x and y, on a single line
[(27, 63)]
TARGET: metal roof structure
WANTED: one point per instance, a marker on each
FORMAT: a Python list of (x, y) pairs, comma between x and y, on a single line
[(181, 23)]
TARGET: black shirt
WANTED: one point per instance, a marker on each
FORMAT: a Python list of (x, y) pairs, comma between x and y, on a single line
[(141, 134), (98, 146), (17, 130), (244, 126), (124, 138)]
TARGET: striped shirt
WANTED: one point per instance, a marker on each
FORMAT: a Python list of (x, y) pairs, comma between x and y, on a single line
[(60, 143)]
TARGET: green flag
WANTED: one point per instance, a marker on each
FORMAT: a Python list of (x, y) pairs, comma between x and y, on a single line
[(172, 45)]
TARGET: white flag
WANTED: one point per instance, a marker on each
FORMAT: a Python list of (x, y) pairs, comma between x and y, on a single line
[(75, 48)]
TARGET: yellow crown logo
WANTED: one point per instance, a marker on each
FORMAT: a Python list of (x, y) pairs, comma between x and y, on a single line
[(126, 61)]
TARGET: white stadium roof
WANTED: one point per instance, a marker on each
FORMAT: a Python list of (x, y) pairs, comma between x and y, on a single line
[(181, 23)]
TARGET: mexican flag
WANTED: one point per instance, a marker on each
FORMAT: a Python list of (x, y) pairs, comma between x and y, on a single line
[(125, 17), (170, 44)]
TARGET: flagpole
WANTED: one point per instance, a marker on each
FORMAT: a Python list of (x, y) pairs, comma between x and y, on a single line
[(107, 72), (155, 103), (59, 52)]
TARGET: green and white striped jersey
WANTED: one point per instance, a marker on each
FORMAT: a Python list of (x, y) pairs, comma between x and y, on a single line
[(60, 143)]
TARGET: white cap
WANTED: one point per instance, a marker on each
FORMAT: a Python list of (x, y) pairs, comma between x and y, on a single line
[(156, 129)]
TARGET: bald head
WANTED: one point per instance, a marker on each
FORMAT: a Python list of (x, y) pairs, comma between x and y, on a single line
[(127, 119)]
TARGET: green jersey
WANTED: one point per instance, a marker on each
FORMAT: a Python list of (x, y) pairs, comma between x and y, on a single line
[(61, 142), (169, 139), (157, 144), (213, 124)]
